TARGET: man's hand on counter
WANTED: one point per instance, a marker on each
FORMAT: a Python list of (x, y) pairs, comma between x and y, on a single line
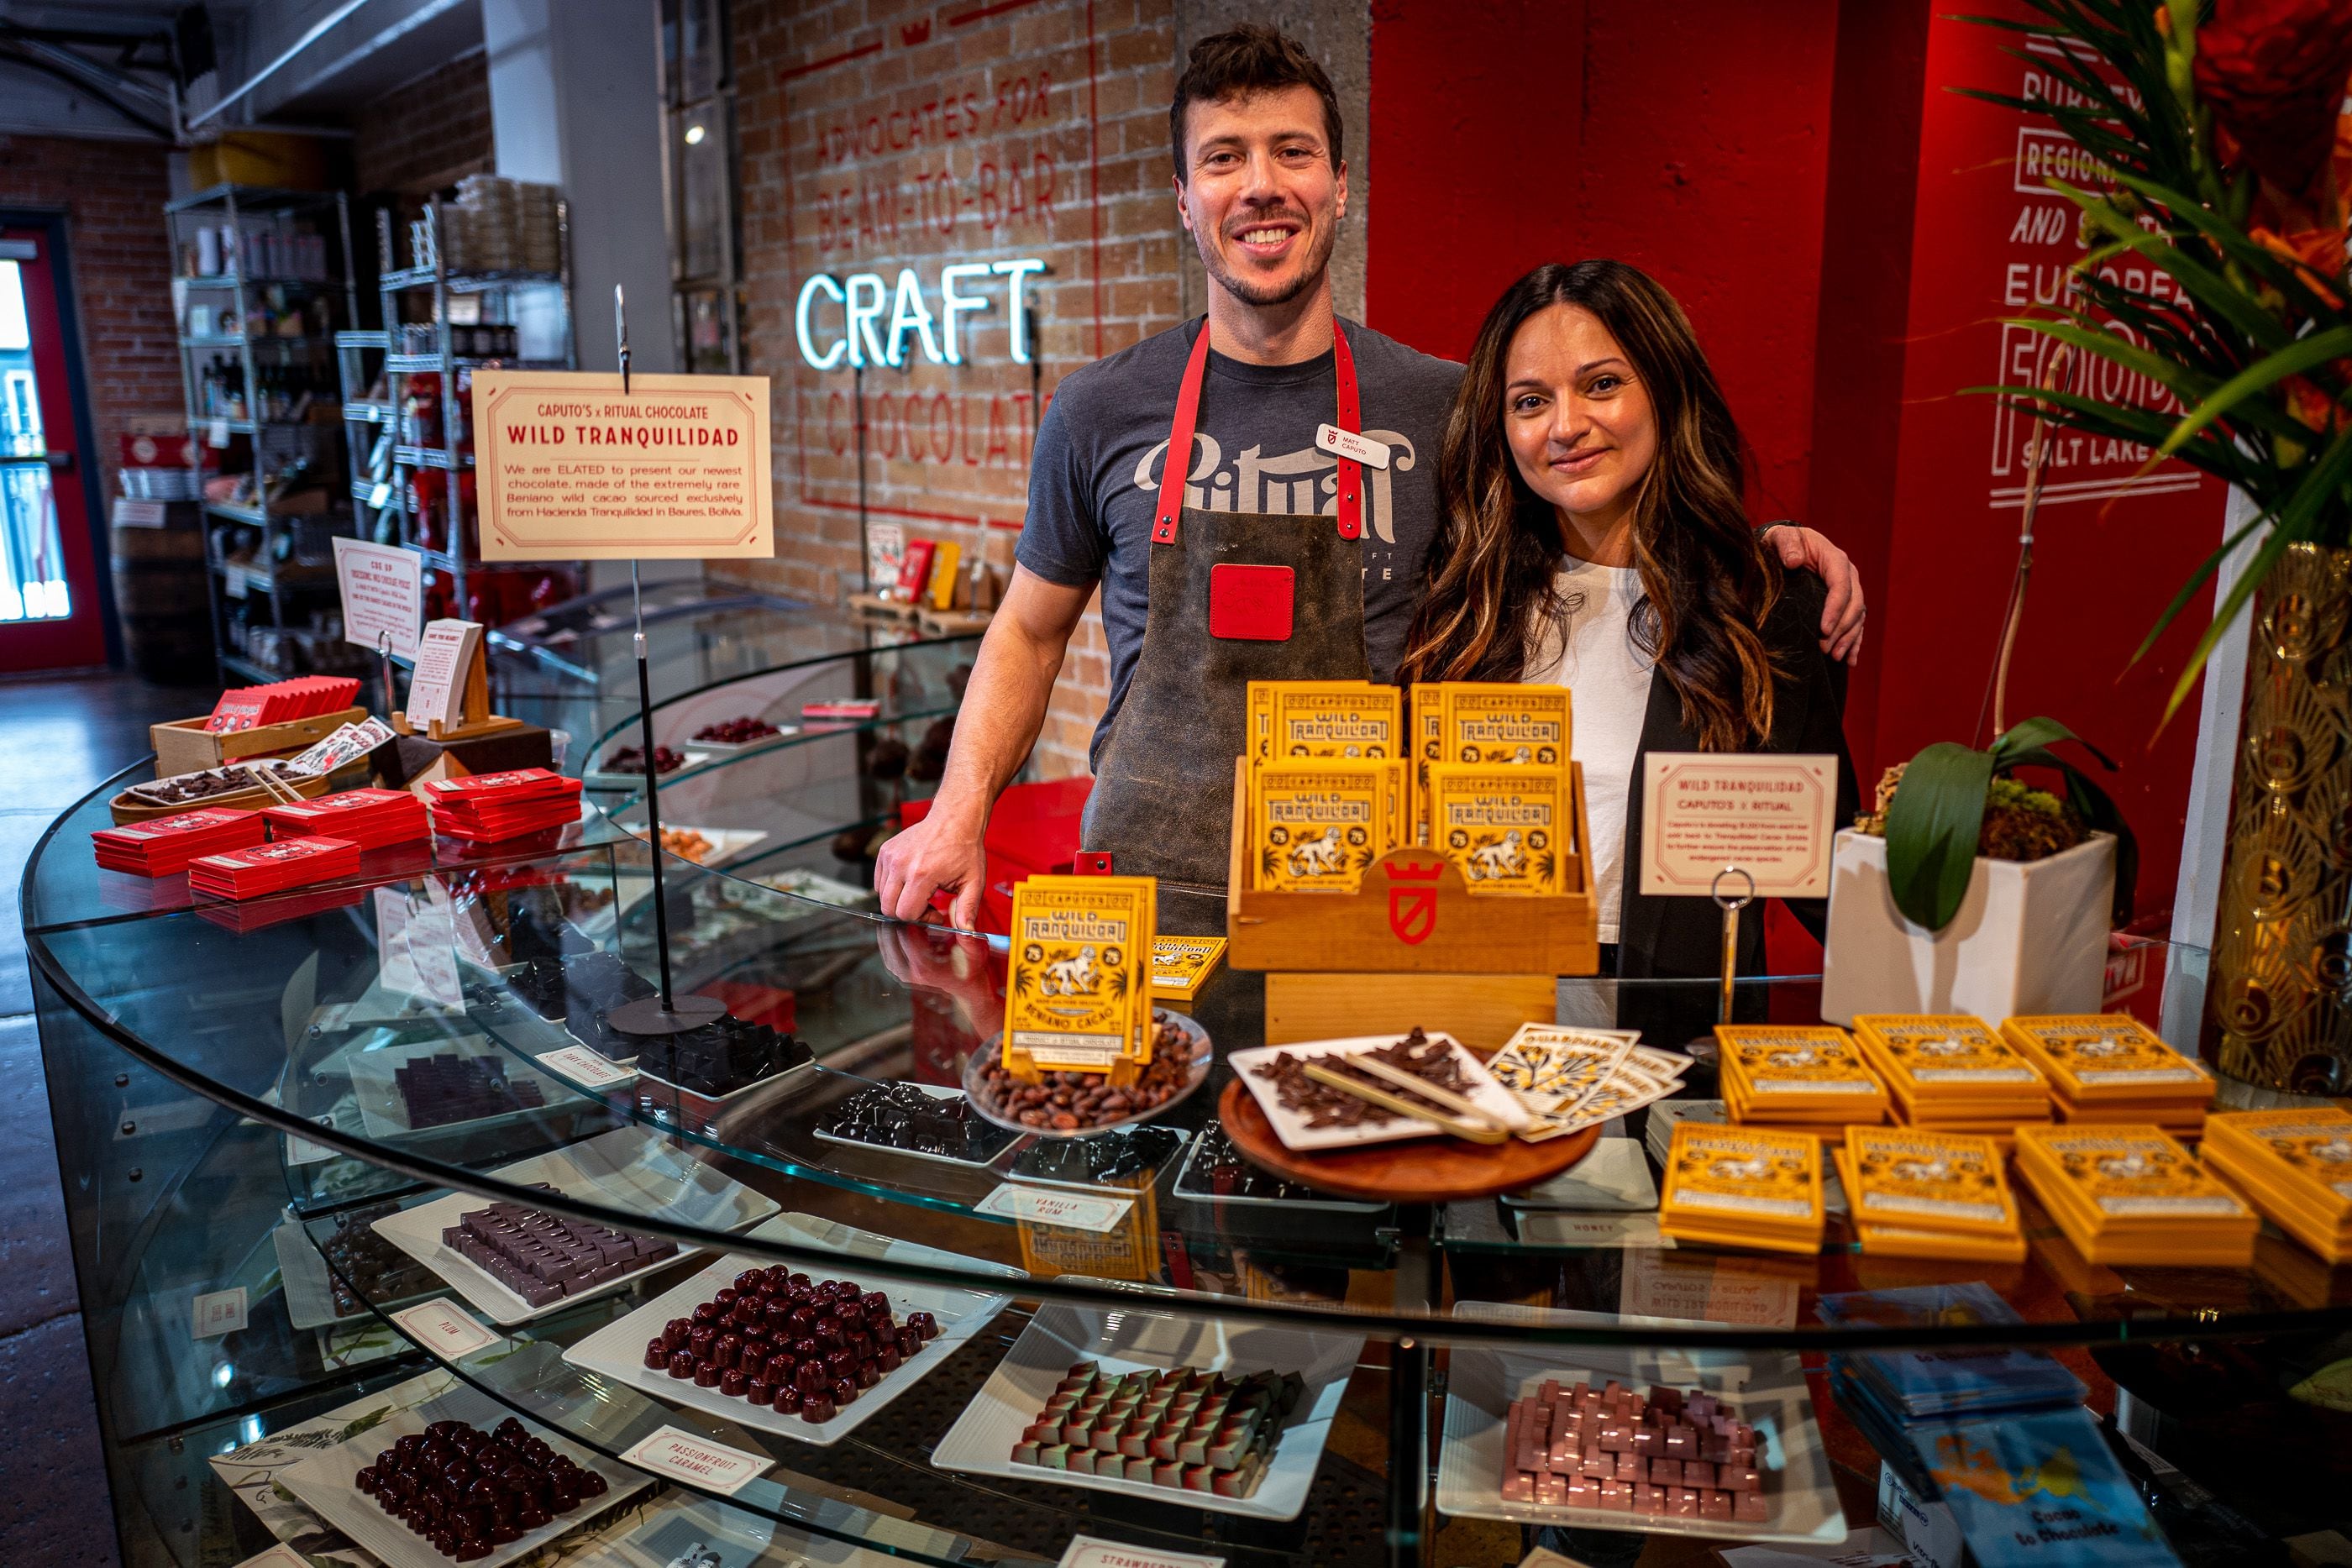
[(1842, 613), (941, 852)]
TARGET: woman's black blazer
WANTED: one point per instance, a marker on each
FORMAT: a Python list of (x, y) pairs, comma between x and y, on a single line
[(1679, 938)]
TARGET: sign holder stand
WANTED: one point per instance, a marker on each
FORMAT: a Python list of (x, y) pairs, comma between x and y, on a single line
[(384, 665), (1731, 908), (667, 1013)]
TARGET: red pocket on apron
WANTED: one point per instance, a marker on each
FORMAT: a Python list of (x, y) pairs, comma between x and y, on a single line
[(1250, 603)]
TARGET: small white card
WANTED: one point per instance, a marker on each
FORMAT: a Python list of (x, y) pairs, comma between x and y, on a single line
[(217, 434), (437, 690), (1773, 817), (1064, 1210), (445, 1329), (279, 1556), (380, 495), (1348, 443), (584, 1067), (1557, 1227), (217, 1313), (1090, 1551), (698, 1460)]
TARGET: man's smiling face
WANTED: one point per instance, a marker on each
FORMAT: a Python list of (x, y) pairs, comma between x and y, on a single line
[(1260, 195)]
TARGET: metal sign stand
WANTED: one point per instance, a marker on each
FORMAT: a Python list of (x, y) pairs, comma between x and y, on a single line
[(1731, 908), (667, 1013)]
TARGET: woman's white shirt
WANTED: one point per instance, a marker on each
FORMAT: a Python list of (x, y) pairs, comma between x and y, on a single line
[(1591, 652)]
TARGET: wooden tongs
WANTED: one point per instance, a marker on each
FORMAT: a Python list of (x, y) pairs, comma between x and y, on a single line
[(1472, 1126)]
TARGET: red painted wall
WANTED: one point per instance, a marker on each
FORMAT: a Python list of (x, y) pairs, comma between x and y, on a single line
[(1780, 168)]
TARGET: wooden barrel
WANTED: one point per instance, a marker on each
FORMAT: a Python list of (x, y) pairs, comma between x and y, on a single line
[(160, 599)]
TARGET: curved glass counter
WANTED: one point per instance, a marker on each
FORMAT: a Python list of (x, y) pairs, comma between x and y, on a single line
[(288, 1102)]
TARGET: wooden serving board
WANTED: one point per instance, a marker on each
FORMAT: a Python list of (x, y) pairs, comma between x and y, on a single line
[(1426, 1170)]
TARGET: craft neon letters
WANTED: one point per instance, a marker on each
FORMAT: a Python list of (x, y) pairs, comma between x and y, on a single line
[(870, 321)]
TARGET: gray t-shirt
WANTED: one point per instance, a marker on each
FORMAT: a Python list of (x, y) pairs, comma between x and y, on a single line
[(1093, 481)]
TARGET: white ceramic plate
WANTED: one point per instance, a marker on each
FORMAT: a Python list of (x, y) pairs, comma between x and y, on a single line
[(603, 779), (937, 1091), (385, 1114), (322, 1482), (726, 844), (625, 1168), (1292, 1128), (617, 1350), (1766, 1388), (1141, 1340)]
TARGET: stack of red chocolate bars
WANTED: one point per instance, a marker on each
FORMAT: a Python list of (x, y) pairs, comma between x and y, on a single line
[(274, 868), (489, 807), (165, 846), (280, 702), (368, 818)]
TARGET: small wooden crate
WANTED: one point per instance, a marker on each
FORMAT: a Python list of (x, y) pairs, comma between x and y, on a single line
[(185, 745), (1413, 913)]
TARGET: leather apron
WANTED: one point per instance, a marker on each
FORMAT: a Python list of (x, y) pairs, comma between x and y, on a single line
[(1235, 597)]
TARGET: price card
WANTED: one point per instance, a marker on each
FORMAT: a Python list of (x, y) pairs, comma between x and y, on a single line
[(1088, 1551), (584, 1067), (217, 1313), (1554, 1227), (445, 1329), (384, 595), (697, 1460), (1773, 817), (1064, 1210)]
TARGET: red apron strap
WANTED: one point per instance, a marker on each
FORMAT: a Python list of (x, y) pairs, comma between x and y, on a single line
[(1351, 420), (1176, 468)]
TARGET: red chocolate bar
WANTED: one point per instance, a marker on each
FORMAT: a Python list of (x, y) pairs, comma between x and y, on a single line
[(166, 845), (271, 868)]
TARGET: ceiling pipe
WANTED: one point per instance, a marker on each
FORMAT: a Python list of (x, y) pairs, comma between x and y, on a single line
[(320, 29)]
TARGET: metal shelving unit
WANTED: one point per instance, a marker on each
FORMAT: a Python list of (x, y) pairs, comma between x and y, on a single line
[(379, 474), (255, 217)]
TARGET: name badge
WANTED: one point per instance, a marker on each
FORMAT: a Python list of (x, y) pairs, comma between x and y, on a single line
[(1348, 443)]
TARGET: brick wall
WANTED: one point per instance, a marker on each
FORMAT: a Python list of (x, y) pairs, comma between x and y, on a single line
[(113, 194), (881, 135), (429, 132)]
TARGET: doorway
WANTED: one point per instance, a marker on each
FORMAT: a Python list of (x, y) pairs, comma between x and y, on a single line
[(54, 611)]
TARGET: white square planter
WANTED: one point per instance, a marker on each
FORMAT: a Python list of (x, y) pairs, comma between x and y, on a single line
[(2030, 937)]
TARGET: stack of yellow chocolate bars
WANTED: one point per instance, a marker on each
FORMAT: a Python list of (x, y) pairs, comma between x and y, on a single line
[(1330, 782), (1743, 1186), (1952, 1073), (1797, 1077), (2294, 1165), (2111, 1068), (1913, 1193), (1490, 781), (2127, 1195), (1335, 781)]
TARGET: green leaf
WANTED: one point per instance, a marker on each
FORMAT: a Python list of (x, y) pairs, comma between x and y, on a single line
[(2210, 289), (2231, 242), (2261, 376), (1932, 828), (2033, 734), (2097, 809)]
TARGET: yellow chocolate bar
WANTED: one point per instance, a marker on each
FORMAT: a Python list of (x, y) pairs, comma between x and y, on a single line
[(1505, 829)]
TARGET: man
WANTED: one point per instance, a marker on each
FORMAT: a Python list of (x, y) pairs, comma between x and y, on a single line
[(1290, 544)]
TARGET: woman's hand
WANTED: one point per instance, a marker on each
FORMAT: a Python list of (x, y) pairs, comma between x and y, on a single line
[(1844, 612)]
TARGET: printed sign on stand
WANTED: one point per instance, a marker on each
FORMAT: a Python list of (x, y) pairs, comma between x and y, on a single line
[(437, 693), (568, 469), (1771, 817), (384, 595)]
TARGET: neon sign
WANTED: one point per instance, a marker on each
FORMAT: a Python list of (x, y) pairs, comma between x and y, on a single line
[(878, 319)]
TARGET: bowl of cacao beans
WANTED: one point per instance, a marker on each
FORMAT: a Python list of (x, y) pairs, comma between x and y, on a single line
[(1075, 1105)]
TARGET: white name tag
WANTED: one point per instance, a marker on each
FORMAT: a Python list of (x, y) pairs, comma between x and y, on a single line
[(441, 1326), (584, 1067), (1348, 443), (698, 1460), (1066, 1210)]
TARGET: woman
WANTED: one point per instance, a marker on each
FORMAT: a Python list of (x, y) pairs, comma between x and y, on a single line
[(1592, 535)]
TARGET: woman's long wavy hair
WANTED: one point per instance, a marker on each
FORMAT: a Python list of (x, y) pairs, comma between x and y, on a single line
[(1707, 584)]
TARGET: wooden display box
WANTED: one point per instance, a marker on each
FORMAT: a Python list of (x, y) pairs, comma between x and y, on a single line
[(1413, 913), (185, 745)]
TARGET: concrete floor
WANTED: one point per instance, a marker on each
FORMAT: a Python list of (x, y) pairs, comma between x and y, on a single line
[(62, 735)]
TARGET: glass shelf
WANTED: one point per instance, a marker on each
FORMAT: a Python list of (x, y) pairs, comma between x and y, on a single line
[(226, 1081)]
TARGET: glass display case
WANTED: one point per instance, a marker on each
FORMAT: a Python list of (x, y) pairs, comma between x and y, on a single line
[(300, 1134)]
